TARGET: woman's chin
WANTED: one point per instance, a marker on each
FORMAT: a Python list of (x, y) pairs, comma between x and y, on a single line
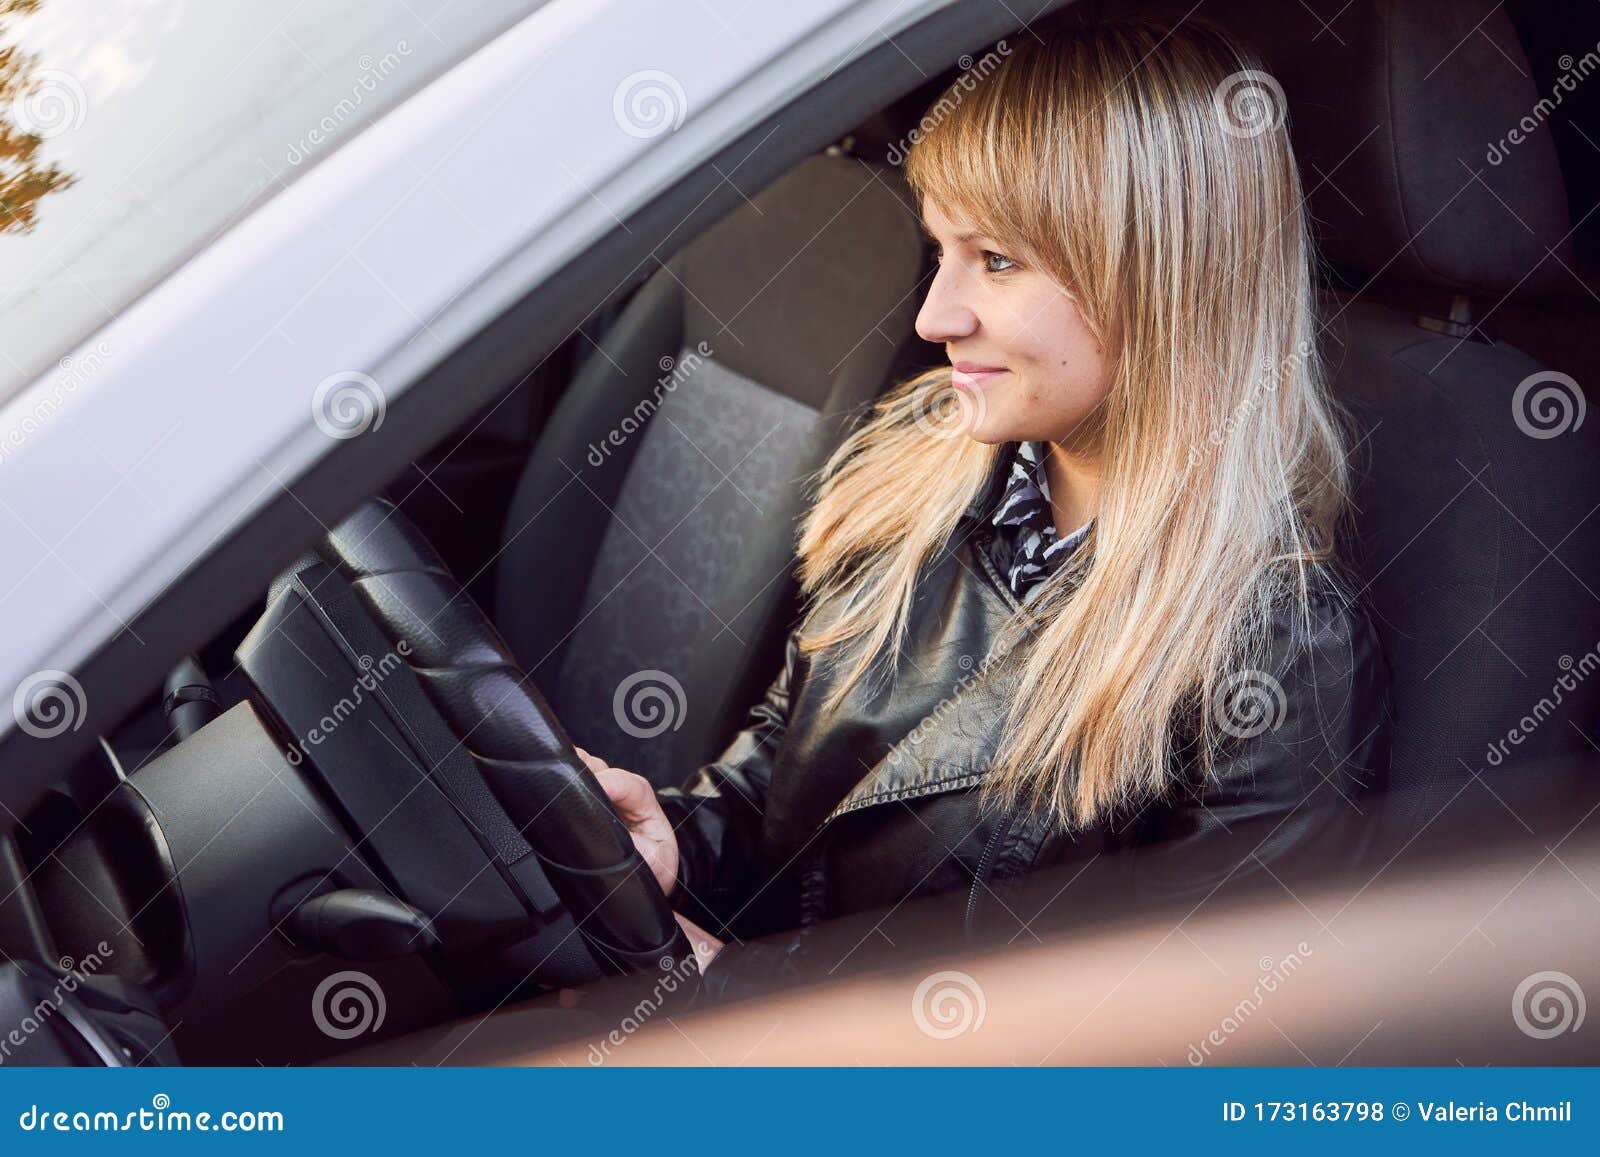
[(984, 425), (987, 436)]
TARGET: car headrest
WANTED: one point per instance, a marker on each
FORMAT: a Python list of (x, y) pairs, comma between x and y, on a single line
[(1419, 133), (1420, 138), (788, 293)]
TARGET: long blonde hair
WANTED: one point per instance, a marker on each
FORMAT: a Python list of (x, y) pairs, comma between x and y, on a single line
[(1147, 170)]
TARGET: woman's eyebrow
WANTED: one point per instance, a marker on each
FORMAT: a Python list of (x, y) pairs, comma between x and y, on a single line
[(959, 238)]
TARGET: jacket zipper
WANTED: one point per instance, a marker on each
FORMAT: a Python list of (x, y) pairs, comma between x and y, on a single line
[(1001, 829), (1004, 827)]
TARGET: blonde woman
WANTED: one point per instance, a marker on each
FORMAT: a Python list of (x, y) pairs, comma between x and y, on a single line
[(1075, 592)]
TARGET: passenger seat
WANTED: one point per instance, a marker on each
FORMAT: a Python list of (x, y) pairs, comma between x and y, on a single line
[(1476, 528)]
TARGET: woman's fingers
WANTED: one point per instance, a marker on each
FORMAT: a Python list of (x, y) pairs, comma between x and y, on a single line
[(594, 762), (705, 945), (640, 811), (630, 794)]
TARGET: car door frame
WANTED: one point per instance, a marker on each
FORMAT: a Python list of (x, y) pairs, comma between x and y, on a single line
[(153, 602)]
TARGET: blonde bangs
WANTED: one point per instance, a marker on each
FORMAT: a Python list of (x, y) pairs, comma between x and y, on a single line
[(960, 162)]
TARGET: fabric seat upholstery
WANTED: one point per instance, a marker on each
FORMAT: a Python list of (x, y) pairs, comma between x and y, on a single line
[(1474, 536), (645, 579)]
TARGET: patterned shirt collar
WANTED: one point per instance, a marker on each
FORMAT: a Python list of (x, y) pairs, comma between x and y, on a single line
[(1024, 520)]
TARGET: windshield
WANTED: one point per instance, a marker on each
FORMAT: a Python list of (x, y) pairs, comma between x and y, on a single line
[(133, 132)]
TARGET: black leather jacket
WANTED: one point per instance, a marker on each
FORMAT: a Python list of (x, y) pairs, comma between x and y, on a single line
[(804, 817)]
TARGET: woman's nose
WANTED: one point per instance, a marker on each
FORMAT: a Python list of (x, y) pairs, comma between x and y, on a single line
[(943, 317)]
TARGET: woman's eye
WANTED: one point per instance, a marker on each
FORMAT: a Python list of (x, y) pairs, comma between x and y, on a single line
[(997, 262)]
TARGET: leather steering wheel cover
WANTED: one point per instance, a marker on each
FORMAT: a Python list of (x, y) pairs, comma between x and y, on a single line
[(525, 757)]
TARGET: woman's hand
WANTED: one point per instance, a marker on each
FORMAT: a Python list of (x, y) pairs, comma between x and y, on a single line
[(705, 945), (636, 804)]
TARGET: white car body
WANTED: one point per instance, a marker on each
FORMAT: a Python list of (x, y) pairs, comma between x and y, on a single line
[(380, 260)]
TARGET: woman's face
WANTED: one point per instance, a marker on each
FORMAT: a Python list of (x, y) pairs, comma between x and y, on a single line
[(1026, 363)]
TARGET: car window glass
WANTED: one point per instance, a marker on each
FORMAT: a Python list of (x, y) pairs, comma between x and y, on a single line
[(132, 132)]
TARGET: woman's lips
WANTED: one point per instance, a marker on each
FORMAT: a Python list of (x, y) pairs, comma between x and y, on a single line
[(970, 376)]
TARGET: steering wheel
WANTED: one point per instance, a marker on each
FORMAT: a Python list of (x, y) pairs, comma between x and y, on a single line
[(499, 717)]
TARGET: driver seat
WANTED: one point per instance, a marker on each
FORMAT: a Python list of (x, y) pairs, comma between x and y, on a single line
[(645, 577)]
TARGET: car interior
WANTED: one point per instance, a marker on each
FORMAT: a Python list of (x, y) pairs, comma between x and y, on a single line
[(643, 580)]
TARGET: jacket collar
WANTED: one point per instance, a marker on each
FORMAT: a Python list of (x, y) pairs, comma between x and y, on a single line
[(947, 749), (950, 750)]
